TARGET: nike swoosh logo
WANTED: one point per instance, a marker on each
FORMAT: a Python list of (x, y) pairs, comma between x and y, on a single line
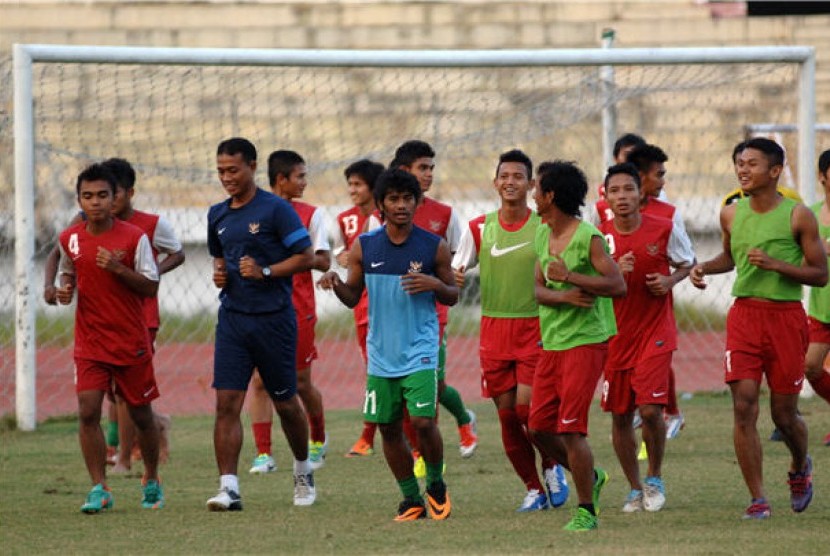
[(422, 404), (568, 421), (375, 265), (148, 392), (799, 381), (280, 392), (657, 394), (219, 231), (496, 252)]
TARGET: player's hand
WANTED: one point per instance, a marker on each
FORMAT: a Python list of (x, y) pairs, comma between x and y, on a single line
[(578, 298), (64, 294), (458, 274), (105, 259), (329, 281), (342, 258), (50, 294), (658, 284), (249, 269), (557, 270), (696, 277), (416, 282), (220, 275), (760, 259), (626, 262)]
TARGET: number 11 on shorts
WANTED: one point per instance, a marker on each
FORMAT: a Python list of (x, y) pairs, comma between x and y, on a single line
[(370, 402)]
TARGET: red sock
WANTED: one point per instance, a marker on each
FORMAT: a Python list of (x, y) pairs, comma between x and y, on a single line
[(523, 413), (822, 385), (671, 407), (409, 431), (518, 448), (262, 437), (317, 426), (368, 434)]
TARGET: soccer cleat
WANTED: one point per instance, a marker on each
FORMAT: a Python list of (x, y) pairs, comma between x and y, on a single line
[(633, 502), (557, 485), (153, 495), (642, 455), (469, 437), (438, 500), (263, 463), (98, 499), (304, 492), (674, 424), (411, 510), (582, 520), (801, 487), (599, 482), (654, 494), (534, 501), (419, 468), (759, 509), (360, 448), (226, 500), (317, 453)]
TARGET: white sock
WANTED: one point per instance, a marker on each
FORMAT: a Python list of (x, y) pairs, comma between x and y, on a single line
[(230, 482), (301, 467)]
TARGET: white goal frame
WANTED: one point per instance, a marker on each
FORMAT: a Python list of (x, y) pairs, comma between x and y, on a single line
[(25, 55)]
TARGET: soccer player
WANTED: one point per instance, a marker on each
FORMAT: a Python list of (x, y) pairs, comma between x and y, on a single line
[(258, 243), (164, 242), (639, 357), (818, 309), (738, 193), (360, 177), (502, 243), (418, 158), (111, 265), (575, 276), (622, 146), (774, 245), (287, 174), (404, 269)]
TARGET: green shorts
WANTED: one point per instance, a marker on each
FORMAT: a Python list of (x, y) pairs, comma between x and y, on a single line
[(385, 397), (441, 371)]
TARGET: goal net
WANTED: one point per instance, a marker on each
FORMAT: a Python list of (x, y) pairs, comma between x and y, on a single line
[(166, 118)]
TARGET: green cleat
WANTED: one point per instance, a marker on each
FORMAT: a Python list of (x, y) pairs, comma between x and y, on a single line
[(582, 520), (317, 453), (599, 482), (153, 498), (98, 499)]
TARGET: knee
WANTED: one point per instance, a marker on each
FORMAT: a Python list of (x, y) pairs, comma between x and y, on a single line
[(651, 414), (89, 416)]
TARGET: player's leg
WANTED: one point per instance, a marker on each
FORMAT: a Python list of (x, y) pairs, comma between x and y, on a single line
[(93, 449), (112, 433), (261, 411), (816, 357), (126, 435), (651, 380), (745, 434), (148, 436), (673, 416), (313, 403)]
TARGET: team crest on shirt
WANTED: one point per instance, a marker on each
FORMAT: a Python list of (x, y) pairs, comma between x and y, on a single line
[(415, 267), (435, 225), (652, 249), (253, 227)]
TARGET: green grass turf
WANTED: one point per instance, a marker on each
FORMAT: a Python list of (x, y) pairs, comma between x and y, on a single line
[(43, 482)]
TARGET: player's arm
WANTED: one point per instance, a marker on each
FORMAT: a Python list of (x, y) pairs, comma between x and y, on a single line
[(609, 282), (465, 258), (723, 261), (166, 242), (319, 233), (143, 279), (551, 297), (347, 292), (296, 263), (50, 272), (220, 272), (66, 289), (442, 284), (813, 268), (681, 260)]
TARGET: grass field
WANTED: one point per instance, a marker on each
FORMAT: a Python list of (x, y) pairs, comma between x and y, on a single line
[(44, 481)]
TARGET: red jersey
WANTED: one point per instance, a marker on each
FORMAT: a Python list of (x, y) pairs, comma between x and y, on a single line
[(147, 222), (352, 222), (434, 216), (302, 295), (109, 319), (645, 322)]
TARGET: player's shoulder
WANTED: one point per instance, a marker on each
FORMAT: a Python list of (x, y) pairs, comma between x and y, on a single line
[(479, 220), (731, 197), (348, 212), (73, 228)]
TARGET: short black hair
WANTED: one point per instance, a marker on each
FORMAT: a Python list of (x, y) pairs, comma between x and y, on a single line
[(122, 170), (627, 140), (410, 151), (568, 184), (96, 172), (368, 170), (543, 168), (824, 162), (624, 168), (238, 145), (737, 150), (515, 155), (644, 156), (398, 180), (282, 163), (772, 150)]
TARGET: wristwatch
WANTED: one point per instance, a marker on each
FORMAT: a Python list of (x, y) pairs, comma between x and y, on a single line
[(266, 272)]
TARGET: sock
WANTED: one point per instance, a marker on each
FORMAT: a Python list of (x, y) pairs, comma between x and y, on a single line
[(368, 434), (262, 437), (435, 472), (301, 467), (451, 399), (230, 482), (822, 385), (410, 489), (409, 431), (112, 434), (671, 407), (317, 427), (590, 508), (518, 449)]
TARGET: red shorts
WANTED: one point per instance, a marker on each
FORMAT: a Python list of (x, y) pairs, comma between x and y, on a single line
[(648, 383), (362, 333), (508, 353), (819, 331), (135, 384), (500, 375), (306, 351), (563, 387), (766, 338)]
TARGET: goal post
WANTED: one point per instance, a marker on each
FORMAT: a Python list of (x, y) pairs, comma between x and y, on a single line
[(25, 56)]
